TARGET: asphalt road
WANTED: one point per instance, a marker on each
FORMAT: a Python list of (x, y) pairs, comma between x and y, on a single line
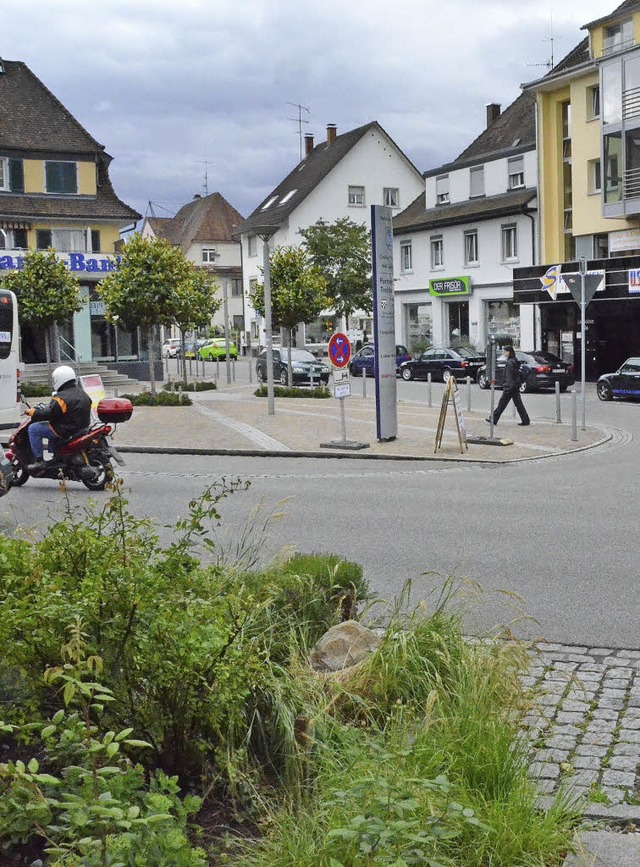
[(559, 533)]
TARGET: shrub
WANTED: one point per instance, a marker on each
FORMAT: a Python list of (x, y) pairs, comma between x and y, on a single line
[(281, 391), (196, 385), (35, 390), (162, 398)]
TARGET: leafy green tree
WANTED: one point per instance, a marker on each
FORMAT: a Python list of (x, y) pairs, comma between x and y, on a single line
[(298, 291), (48, 294), (342, 252), (144, 291), (195, 302)]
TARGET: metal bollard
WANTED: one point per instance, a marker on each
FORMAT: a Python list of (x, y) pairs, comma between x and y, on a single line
[(558, 412), (364, 382), (468, 394), (250, 373), (311, 385), (233, 368), (217, 368), (428, 389), (574, 416)]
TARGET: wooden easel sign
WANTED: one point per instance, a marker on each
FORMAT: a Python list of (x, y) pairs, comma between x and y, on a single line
[(451, 395)]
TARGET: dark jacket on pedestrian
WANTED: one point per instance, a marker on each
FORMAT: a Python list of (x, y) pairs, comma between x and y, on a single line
[(68, 411), (512, 374)]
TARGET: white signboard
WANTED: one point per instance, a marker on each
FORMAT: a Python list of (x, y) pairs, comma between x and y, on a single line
[(340, 374), (343, 389), (627, 239), (384, 328)]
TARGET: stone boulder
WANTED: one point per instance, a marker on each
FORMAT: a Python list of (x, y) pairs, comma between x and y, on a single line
[(343, 646)]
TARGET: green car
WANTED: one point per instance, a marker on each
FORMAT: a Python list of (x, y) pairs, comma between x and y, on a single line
[(216, 348)]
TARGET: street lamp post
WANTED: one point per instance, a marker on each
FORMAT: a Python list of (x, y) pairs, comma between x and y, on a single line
[(265, 233), (583, 331)]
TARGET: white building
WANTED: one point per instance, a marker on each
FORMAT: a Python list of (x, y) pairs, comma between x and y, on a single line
[(341, 177), (456, 245), (204, 230)]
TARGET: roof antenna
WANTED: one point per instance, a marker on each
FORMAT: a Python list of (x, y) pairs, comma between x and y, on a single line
[(299, 120), (551, 39), (206, 163)]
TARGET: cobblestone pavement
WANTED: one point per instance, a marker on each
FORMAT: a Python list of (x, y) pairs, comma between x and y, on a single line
[(585, 727)]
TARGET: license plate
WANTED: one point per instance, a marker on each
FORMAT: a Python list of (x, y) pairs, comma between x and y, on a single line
[(558, 370)]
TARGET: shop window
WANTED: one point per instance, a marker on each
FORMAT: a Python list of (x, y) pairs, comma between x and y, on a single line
[(503, 318), (510, 243), (406, 256), (476, 181), (442, 190), (516, 172), (471, 248), (437, 252), (419, 328), (356, 196), (600, 246), (61, 177)]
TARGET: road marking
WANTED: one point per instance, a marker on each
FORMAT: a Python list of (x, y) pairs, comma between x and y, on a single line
[(257, 437)]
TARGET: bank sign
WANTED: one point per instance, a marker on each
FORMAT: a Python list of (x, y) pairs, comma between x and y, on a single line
[(77, 262), (448, 286)]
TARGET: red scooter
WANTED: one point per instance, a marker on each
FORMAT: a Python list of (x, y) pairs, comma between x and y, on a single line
[(85, 457)]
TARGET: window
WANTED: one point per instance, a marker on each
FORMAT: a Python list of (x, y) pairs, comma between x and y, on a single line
[(515, 167), (611, 93), (612, 168), (43, 239), (13, 239), (617, 36), (406, 256), (268, 203), (60, 178), (95, 241), (391, 197), (593, 102), (600, 246), (566, 130), (356, 196), (11, 175), (288, 196), (209, 254), (594, 170), (437, 252), (65, 240), (476, 181), (236, 287), (442, 190), (510, 243), (471, 248), (252, 246)]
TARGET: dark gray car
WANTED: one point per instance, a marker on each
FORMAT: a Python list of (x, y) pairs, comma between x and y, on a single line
[(305, 367)]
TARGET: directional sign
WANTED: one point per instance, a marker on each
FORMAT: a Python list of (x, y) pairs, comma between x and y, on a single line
[(339, 349)]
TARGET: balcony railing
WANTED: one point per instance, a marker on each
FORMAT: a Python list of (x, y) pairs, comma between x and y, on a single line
[(631, 103), (631, 184), (615, 45)]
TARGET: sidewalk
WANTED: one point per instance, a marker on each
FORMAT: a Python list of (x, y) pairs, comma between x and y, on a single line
[(232, 420)]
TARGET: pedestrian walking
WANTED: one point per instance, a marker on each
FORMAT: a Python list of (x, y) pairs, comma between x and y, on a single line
[(511, 389)]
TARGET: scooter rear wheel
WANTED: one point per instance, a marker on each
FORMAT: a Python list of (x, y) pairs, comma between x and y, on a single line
[(20, 474), (103, 475)]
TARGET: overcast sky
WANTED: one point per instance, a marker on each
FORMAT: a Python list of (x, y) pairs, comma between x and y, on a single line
[(166, 85)]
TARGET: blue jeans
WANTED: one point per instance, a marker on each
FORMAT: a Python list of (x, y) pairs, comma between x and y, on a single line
[(39, 431)]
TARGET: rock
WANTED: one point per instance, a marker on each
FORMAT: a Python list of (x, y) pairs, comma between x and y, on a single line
[(343, 646)]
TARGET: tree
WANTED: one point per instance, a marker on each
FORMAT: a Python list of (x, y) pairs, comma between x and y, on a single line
[(195, 303), (48, 294), (144, 290), (298, 291), (342, 252)]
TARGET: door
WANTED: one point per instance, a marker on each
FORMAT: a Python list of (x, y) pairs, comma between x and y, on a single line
[(458, 323)]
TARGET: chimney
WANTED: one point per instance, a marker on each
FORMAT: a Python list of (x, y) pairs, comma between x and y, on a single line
[(493, 112), (308, 143), (331, 133), (197, 196)]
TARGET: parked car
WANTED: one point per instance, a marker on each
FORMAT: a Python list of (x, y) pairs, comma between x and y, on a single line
[(171, 347), (192, 346), (305, 366), (6, 473), (625, 382), (217, 348), (542, 370), (362, 363), (442, 363)]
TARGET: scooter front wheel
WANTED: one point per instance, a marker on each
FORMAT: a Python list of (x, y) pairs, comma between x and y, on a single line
[(20, 474), (101, 475)]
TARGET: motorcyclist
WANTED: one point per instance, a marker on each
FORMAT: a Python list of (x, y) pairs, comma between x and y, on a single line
[(68, 412)]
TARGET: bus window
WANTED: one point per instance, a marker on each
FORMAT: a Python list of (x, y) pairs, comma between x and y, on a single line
[(9, 374)]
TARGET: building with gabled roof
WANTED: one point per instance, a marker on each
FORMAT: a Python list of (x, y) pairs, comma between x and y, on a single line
[(55, 192), (340, 177), (204, 230), (456, 244)]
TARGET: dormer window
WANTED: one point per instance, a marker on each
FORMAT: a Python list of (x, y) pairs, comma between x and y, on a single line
[(60, 177), (617, 36), (442, 190), (209, 255), (11, 175)]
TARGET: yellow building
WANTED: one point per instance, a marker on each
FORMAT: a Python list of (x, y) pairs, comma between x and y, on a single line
[(55, 192), (588, 120)]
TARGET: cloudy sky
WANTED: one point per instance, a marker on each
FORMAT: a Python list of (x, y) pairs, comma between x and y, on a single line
[(174, 87)]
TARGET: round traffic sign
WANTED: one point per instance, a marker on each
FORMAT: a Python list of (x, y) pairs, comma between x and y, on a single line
[(339, 349)]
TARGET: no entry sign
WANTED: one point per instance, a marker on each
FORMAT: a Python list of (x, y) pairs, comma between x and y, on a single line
[(339, 350)]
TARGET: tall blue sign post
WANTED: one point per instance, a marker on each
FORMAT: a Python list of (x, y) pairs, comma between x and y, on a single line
[(384, 326)]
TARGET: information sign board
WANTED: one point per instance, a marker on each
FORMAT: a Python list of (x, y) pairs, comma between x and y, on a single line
[(384, 330), (342, 389)]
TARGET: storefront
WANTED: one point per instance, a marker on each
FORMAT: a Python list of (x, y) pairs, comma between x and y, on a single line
[(612, 322)]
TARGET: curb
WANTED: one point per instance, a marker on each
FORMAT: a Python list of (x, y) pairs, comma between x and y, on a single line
[(355, 456)]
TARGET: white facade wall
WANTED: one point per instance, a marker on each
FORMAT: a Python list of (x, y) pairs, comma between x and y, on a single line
[(373, 163), (491, 278)]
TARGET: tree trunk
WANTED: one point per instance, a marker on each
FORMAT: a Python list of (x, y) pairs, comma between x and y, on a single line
[(152, 373), (289, 363), (56, 342), (183, 349)]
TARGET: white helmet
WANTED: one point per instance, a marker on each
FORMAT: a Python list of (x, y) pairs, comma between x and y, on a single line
[(61, 375)]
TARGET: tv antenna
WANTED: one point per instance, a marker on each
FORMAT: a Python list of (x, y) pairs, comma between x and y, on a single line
[(299, 120), (551, 39), (206, 163)]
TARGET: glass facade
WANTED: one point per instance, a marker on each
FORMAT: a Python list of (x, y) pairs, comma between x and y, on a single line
[(418, 326), (503, 317)]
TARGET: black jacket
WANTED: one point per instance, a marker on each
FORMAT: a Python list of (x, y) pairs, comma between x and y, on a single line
[(68, 411), (512, 374)]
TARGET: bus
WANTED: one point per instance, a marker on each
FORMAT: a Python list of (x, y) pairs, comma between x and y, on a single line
[(10, 397)]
